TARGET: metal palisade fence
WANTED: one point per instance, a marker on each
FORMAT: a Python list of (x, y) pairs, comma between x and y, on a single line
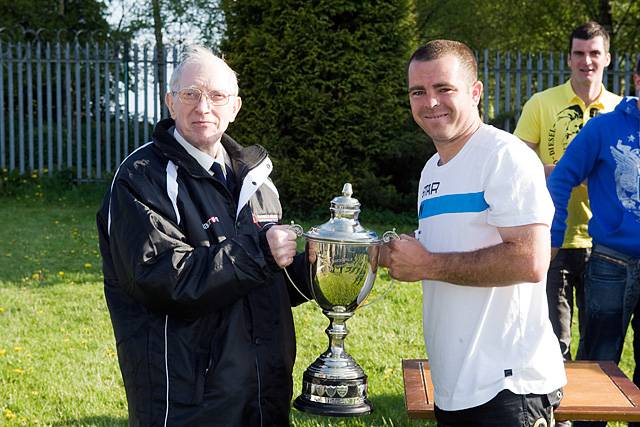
[(77, 106), (85, 106)]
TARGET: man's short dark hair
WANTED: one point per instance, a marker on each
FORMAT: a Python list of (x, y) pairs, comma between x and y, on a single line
[(588, 31), (436, 49)]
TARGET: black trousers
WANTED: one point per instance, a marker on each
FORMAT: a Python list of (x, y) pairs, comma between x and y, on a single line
[(507, 409), (566, 275)]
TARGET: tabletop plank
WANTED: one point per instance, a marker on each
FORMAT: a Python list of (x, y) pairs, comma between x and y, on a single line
[(595, 391)]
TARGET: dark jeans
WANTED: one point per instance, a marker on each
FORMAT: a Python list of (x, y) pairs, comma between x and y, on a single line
[(566, 274), (612, 292), (506, 409)]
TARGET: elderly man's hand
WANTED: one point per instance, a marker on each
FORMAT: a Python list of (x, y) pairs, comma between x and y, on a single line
[(282, 242)]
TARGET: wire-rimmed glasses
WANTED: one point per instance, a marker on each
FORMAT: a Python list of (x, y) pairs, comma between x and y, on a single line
[(193, 95)]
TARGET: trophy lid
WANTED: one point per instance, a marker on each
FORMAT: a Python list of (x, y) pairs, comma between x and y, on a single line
[(343, 225)]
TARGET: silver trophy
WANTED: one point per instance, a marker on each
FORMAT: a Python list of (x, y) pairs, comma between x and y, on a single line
[(343, 259)]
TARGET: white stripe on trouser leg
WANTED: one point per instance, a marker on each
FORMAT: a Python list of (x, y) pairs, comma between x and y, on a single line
[(259, 391), (166, 369)]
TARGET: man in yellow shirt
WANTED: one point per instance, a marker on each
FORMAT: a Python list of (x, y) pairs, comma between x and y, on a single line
[(549, 121)]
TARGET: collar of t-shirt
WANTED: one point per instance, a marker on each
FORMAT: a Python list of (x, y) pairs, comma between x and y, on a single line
[(205, 160), (573, 97)]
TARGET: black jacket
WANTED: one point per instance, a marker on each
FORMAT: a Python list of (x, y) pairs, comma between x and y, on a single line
[(200, 311)]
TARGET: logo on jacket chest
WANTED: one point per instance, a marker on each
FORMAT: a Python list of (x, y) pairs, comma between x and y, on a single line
[(262, 218), (212, 220)]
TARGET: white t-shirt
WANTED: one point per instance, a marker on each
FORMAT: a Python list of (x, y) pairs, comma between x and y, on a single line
[(481, 340)]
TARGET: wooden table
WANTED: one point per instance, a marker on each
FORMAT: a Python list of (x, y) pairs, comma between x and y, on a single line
[(595, 391)]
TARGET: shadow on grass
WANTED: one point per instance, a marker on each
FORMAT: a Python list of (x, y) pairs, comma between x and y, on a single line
[(95, 421), (388, 410)]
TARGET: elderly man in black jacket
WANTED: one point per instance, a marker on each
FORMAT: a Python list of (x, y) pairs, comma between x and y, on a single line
[(193, 262)]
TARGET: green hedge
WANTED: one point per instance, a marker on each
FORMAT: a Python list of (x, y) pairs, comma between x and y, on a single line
[(324, 90)]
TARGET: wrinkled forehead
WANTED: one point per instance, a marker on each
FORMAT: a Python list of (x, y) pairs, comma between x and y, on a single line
[(208, 75)]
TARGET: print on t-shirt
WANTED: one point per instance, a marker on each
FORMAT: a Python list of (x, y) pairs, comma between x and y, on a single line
[(566, 125), (628, 175)]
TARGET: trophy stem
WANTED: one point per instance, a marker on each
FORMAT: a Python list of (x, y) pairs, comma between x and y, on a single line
[(335, 385), (337, 332)]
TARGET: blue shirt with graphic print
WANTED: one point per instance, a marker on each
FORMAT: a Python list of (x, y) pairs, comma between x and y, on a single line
[(606, 152)]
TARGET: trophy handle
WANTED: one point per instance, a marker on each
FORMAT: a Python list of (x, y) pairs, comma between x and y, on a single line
[(298, 230), (386, 238), (390, 235)]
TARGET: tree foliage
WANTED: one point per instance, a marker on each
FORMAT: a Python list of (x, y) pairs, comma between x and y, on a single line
[(323, 89), (531, 25), (66, 18)]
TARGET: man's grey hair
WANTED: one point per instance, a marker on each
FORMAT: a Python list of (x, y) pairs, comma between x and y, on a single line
[(200, 55)]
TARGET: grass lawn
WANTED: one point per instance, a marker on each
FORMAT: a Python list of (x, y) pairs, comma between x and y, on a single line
[(57, 353)]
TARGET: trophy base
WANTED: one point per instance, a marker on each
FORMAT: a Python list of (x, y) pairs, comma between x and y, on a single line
[(334, 397), (333, 410)]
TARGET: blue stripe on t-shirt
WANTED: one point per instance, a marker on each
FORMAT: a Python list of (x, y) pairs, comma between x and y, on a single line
[(453, 203)]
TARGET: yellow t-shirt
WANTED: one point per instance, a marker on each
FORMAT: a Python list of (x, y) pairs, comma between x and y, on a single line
[(551, 119)]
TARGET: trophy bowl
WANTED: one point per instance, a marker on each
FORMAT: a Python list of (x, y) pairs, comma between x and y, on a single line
[(343, 260), (343, 273)]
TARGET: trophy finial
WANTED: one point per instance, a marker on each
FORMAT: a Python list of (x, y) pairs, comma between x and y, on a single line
[(347, 191)]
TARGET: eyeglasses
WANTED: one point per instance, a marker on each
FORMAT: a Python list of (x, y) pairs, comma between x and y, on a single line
[(192, 96)]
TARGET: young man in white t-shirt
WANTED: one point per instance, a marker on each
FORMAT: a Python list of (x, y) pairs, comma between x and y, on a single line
[(482, 252)]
